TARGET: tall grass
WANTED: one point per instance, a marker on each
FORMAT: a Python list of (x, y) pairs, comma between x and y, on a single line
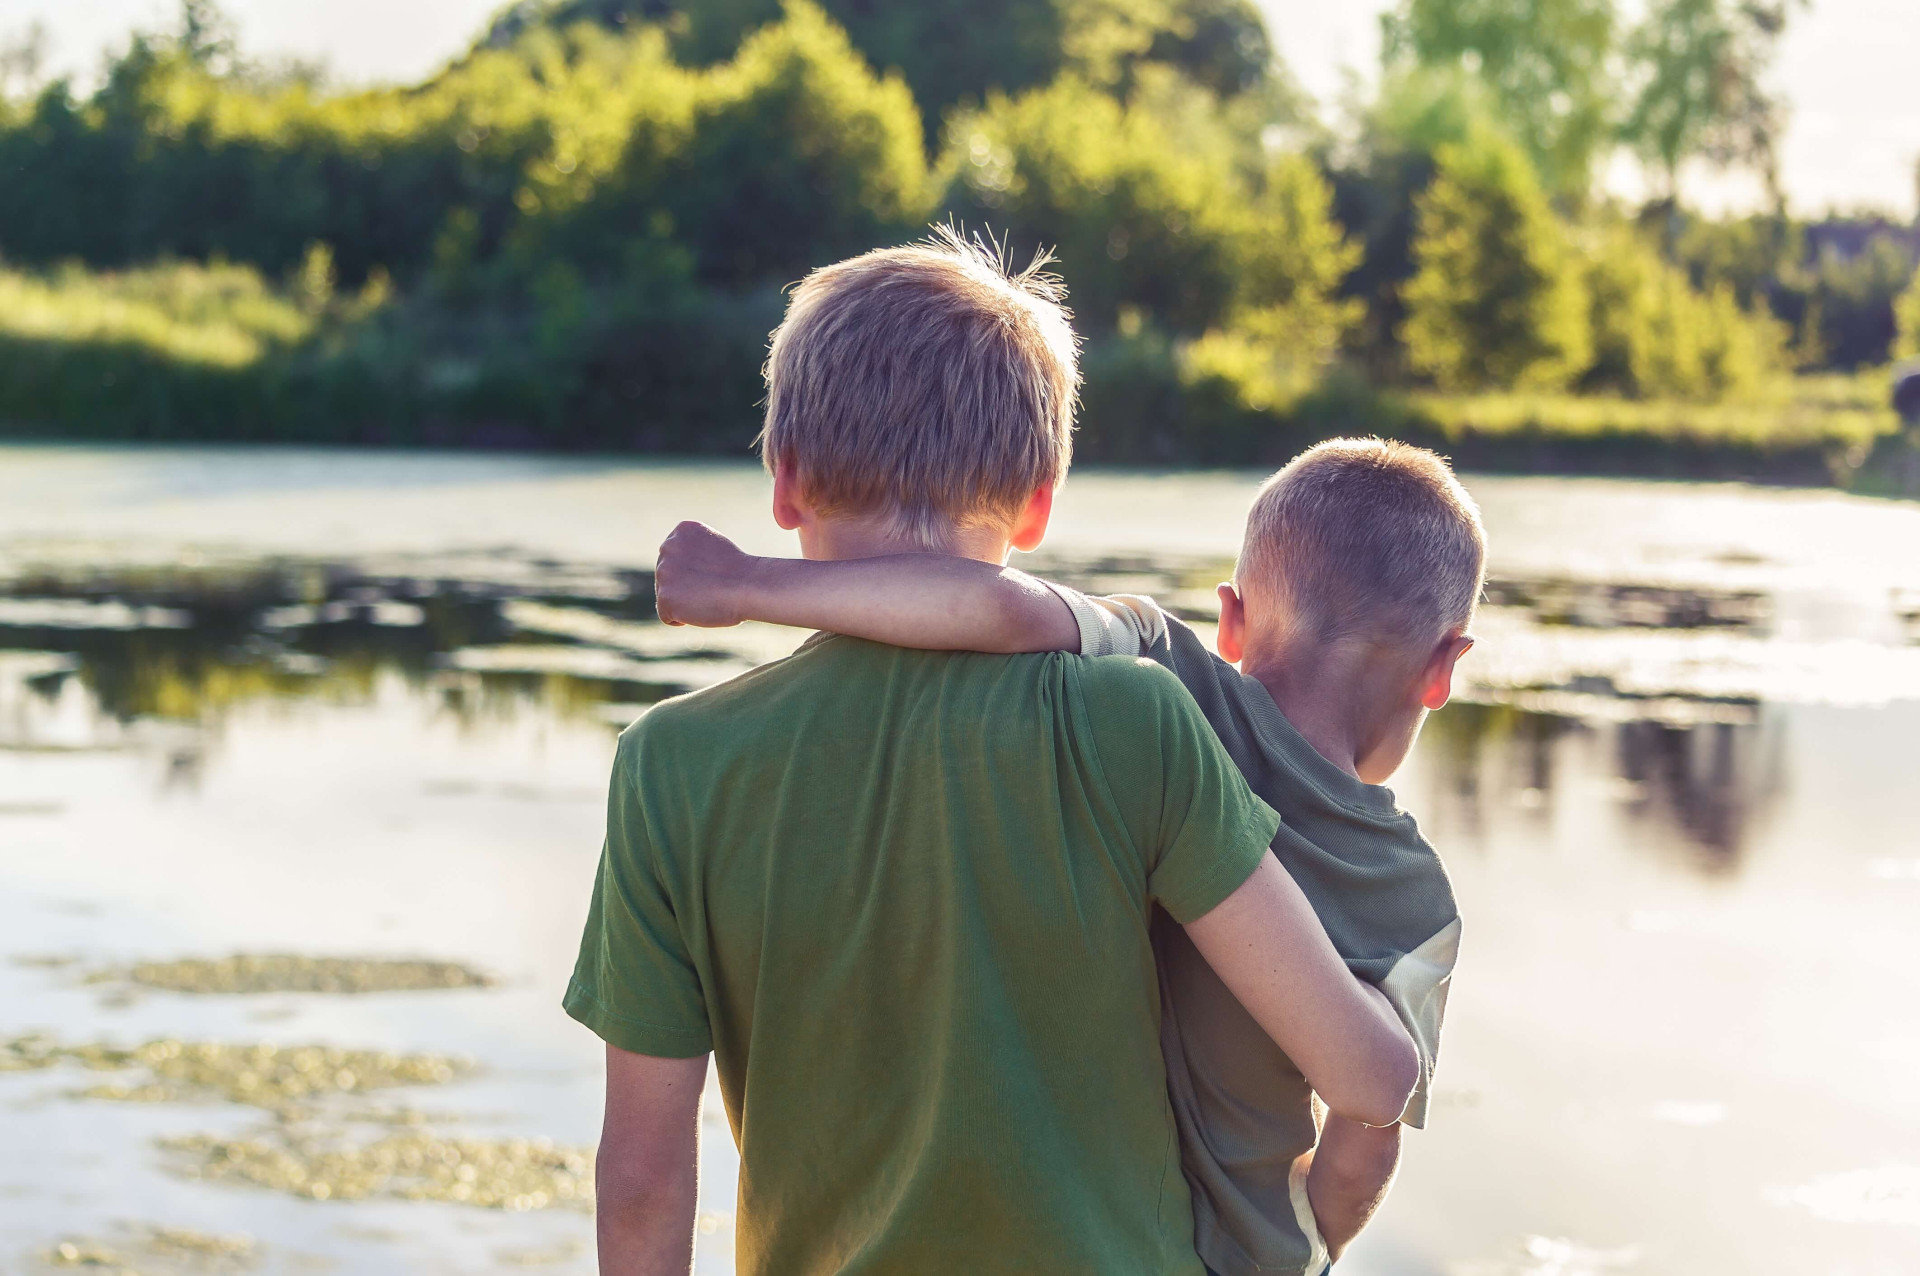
[(219, 316), (1847, 409), (185, 351)]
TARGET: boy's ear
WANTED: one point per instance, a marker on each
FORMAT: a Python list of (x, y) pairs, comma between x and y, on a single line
[(1031, 527), (789, 506), (1233, 624), (1436, 680)]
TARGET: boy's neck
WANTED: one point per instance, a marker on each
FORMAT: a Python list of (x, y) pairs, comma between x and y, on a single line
[(842, 538), (1337, 695)]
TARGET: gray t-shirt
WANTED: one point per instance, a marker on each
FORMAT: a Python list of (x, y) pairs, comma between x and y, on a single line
[(1244, 1111)]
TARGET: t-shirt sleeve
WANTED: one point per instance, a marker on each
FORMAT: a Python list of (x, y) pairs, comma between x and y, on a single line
[(1417, 985), (1119, 625), (1132, 625), (635, 983), (1199, 829)]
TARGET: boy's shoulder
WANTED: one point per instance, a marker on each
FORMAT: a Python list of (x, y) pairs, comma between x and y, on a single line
[(830, 673)]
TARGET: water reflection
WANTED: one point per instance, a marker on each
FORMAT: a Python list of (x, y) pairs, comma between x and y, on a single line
[(158, 658), (1697, 791)]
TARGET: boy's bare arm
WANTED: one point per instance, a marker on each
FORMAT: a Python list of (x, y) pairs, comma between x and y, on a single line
[(1349, 1173), (647, 1170), (933, 601), (1268, 947)]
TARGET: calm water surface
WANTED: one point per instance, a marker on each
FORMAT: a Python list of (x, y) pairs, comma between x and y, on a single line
[(362, 705)]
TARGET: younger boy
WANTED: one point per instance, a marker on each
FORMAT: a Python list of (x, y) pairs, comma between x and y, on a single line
[(1359, 573)]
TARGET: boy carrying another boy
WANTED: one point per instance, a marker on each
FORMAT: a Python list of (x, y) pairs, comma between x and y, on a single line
[(1359, 573), (904, 897)]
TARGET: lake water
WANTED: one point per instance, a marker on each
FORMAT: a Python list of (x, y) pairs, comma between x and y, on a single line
[(329, 705)]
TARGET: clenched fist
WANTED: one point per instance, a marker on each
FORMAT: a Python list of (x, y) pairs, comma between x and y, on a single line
[(700, 577)]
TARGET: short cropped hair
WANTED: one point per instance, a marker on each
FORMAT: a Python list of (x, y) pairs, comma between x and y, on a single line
[(930, 383), (1365, 538)]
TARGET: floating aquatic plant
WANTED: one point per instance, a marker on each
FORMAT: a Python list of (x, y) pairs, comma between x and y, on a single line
[(418, 1165), (155, 1251), (290, 972), (276, 1078)]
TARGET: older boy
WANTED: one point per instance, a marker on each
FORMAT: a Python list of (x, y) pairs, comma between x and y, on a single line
[(1359, 573), (903, 897)]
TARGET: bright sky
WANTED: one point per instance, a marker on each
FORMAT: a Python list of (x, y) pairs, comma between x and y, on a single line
[(1847, 66)]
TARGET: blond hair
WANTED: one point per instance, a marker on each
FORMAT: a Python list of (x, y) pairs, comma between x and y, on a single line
[(1365, 538), (929, 383)]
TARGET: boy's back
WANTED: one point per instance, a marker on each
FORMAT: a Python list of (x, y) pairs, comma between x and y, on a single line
[(904, 897), (1244, 1110)]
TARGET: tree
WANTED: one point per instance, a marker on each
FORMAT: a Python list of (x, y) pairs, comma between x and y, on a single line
[(1141, 225), (1696, 71), (1906, 309), (22, 57), (1287, 319), (958, 51), (207, 35), (790, 155), (1498, 300), (1417, 111), (1654, 335), (1851, 299), (1545, 61), (1221, 44)]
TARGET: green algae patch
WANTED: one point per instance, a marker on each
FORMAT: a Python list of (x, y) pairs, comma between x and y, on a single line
[(253, 973), (326, 1139), (154, 1251), (414, 1165), (276, 1078)]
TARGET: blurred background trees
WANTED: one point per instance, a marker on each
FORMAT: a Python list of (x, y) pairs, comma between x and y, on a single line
[(578, 233)]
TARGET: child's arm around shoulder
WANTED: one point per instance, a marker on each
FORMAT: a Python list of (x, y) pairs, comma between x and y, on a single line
[(937, 602)]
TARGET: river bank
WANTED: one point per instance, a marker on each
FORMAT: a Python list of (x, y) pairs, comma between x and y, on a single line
[(188, 354)]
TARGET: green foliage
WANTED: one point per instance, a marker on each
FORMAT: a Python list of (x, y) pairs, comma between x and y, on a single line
[(1748, 254), (1417, 111), (957, 52), (221, 316), (1699, 66), (1546, 63), (1498, 300), (1833, 412), (1848, 301), (1654, 336), (1221, 45), (788, 156), (576, 131), (1133, 220), (181, 351), (1288, 320), (577, 234), (1906, 308), (1183, 234)]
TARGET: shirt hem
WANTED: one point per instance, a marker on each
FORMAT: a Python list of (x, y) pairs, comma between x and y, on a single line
[(1226, 875), (632, 1035)]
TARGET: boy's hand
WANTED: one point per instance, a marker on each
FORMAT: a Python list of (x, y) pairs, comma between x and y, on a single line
[(700, 578)]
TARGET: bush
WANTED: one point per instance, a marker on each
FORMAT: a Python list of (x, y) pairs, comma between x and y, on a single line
[(799, 156), (952, 52), (1132, 220), (1655, 336), (1850, 301), (1183, 234), (1907, 319), (789, 156), (1498, 300)]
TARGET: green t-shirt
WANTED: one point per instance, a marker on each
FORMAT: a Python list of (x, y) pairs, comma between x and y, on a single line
[(905, 897)]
